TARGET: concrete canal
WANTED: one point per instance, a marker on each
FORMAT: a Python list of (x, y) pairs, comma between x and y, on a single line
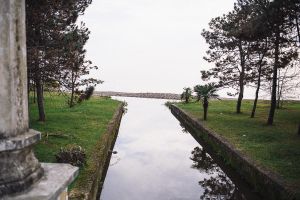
[(158, 160)]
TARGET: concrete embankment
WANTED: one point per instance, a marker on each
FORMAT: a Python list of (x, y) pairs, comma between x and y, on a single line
[(101, 158), (139, 95), (263, 181)]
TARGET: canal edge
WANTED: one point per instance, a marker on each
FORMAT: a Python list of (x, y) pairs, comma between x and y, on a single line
[(266, 183), (103, 149)]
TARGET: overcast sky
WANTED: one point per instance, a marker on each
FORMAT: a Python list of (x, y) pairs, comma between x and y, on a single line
[(150, 45)]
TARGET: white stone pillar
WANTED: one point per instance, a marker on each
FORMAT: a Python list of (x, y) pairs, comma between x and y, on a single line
[(22, 177), (18, 166)]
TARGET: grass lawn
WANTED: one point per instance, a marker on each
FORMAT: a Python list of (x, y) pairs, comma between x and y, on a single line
[(275, 147), (81, 125)]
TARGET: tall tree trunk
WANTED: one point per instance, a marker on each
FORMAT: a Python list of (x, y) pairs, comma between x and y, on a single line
[(257, 91), (72, 90), (72, 99), (241, 79), (34, 92), (298, 29), (274, 80), (240, 98), (278, 90), (299, 129), (205, 108), (40, 96)]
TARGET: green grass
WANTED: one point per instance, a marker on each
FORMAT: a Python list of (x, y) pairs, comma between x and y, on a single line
[(275, 147), (81, 125)]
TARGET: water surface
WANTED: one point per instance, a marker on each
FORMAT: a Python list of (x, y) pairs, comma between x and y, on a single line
[(158, 160)]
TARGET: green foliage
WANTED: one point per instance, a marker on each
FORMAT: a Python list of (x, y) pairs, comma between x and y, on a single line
[(186, 95), (206, 91), (72, 154), (55, 48), (89, 92), (251, 43)]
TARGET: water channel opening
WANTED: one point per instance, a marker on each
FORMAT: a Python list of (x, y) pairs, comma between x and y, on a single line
[(158, 159)]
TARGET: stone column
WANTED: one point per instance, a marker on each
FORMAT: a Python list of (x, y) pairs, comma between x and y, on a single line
[(19, 168)]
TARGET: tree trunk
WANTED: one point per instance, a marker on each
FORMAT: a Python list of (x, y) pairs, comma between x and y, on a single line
[(298, 30), (241, 79), (274, 80), (40, 96), (72, 98), (240, 99), (278, 90), (72, 91), (205, 108), (257, 91), (299, 129), (34, 93)]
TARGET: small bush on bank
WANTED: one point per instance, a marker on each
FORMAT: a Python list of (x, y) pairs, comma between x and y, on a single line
[(88, 92), (86, 95), (72, 154)]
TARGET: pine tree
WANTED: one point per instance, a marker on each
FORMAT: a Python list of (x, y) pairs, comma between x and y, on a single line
[(46, 23), (75, 67), (228, 50)]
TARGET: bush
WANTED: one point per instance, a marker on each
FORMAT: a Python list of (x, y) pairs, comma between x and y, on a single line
[(88, 92), (72, 154), (86, 95)]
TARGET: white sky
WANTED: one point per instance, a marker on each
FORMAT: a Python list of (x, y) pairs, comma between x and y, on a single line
[(150, 45)]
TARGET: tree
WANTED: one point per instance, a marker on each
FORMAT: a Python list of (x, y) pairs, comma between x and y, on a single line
[(75, 67), (46, 23), (204, 93), (288, 83), (228, 50), (258, 59), (186, 95), (271, 19)]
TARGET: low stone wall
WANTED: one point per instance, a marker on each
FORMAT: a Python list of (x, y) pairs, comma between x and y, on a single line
[(101, 157), (263, 181)]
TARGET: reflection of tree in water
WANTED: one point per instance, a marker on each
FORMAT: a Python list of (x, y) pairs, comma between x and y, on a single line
[(218, 186), (203, 162), (184, 130)]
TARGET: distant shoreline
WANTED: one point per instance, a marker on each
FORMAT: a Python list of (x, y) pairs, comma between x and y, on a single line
[(139, 95), (154, 95)]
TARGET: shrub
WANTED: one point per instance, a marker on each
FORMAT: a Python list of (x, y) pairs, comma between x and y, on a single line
[(88, 92), (86, 95), (72, 154)]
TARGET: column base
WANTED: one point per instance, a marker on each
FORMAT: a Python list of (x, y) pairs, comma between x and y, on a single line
[(19, 168), (52, 185), (14, 187)]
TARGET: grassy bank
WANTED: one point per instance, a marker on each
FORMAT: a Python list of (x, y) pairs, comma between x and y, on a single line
[(274, 147), (82, 125)]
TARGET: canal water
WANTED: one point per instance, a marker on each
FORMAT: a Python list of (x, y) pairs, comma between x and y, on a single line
[(157, 159)]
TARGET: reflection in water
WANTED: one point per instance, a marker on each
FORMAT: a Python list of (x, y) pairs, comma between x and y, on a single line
[(218, 186), (202, 161), (154, 160), (184, 130)]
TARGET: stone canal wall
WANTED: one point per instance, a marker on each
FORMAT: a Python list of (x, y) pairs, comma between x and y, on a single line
[(101, 157), (263, 181)]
